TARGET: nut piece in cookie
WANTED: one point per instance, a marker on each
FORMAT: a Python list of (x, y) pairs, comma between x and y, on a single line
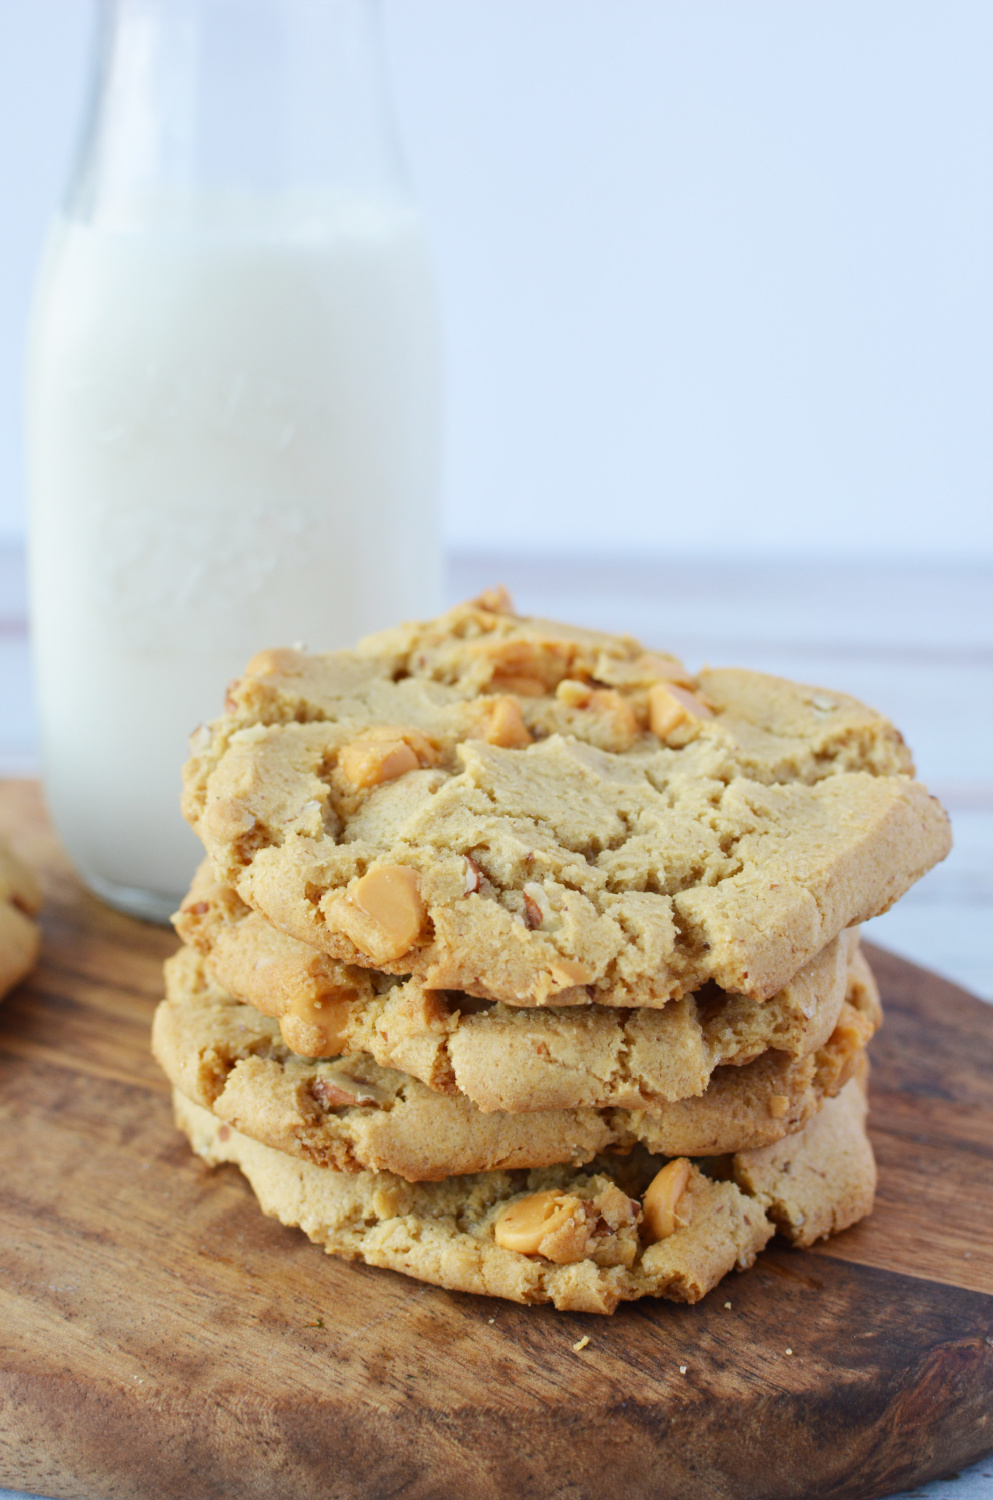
[(337, 1089), (565, 1228), (660, 1204)]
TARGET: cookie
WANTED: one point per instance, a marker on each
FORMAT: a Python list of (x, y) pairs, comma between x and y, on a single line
[(520, 811), (622, 1229), (788, 1177), (505, 1058), (20, 902), (352, 1114)]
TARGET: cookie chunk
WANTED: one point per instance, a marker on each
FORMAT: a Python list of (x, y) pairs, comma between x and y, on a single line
[(520, 811), (502, 1057), (352, 1114), (20, 902), (622, 1229)]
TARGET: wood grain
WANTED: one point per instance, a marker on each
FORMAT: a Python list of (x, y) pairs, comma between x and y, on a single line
[(161, 1339)]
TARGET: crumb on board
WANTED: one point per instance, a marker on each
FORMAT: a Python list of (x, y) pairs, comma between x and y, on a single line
[(728, 1306), (683, 1369), (789, 1351), (578, 1347)]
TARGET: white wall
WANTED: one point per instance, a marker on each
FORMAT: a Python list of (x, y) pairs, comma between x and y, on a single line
[(716, 272)]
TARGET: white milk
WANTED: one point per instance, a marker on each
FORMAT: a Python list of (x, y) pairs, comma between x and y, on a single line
[(233, 444)]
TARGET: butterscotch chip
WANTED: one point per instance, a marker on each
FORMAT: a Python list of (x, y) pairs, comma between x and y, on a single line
[(518, 683), (375, 758), (733, 851), (447, 1232), (233, 1060), (495, 601), (670, 705), (600, 700), (20, 902), (317, 1028), (607, 701), (504, 725), (568, 973), (574, 694), (383, 914), (281, 662), (653, 667)]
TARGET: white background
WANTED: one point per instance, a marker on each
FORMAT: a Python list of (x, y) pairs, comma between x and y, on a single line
[(716, 273)]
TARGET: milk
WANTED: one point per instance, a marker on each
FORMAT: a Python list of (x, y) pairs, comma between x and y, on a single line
[(232, 444)]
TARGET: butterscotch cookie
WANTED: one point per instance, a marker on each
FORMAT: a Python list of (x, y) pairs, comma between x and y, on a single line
[(624, 1228), (788, 1177), (505, 1058), (352, 1114), (20, 902), (519, 810)]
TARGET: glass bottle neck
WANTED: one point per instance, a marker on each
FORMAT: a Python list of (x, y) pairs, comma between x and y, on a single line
[(220, 109)]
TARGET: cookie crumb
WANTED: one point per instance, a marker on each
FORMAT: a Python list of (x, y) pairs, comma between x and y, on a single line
[(682, 1369), (581, 1345)]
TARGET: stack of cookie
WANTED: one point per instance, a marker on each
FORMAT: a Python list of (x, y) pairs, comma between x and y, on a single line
[(526, 963)]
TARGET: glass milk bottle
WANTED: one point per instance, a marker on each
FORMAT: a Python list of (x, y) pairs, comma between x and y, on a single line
[(233, 404)]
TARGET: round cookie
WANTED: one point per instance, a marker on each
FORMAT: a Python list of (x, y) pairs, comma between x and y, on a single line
[(522, 811), (20, 902), (351, 1114), (501, 1057), (449, 1233)]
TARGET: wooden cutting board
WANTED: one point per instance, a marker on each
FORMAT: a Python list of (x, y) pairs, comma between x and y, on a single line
[(160, 1338)]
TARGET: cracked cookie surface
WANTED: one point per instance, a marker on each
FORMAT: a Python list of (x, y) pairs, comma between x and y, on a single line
[(502, 1057), (523, 811), (448, 1233), (352, 1114)]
